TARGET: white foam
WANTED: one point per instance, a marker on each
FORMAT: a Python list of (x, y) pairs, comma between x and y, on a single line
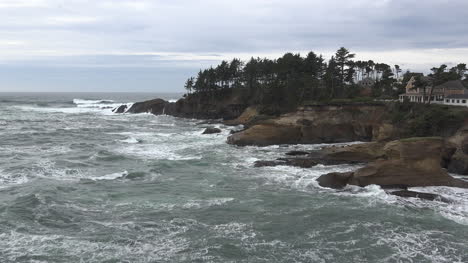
[(457, 208), (206, 203), (82, 101), (110, 176), (130, 140)]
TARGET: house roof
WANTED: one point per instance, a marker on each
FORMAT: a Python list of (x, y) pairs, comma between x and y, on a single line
[(452, 85)]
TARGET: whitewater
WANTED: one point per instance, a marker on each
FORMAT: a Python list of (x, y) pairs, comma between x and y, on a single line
[(79, 183)]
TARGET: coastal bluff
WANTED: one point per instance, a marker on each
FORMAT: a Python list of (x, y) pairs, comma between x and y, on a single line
[(374, 123)]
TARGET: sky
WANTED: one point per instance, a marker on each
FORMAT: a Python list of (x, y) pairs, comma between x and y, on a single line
[(155, 45)]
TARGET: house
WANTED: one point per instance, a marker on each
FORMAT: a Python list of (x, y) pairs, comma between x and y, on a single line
[(367, 83), (366, 86), (449, 93)]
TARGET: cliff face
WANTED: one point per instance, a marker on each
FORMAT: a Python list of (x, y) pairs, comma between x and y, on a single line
[(323, 124), (192, 107), (404, 163), (320, 124)]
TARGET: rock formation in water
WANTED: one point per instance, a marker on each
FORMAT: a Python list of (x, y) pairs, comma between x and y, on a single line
[(320, 124), (408, 162), (211, 130)]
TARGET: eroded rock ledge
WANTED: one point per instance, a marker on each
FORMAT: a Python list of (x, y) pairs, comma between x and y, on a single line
[(319, 124), (404, 163)]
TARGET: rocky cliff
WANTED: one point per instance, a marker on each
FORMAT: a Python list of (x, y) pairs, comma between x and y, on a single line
[(329, 124), (320, 124), (191, 107), (403, 163)]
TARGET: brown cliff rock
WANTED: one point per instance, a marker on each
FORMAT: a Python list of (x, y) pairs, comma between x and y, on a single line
[(409, 162)]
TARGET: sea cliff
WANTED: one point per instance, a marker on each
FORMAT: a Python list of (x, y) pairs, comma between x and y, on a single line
[(407, 145)]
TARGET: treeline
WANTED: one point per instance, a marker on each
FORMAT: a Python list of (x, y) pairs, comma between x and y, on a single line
[(291, 80)]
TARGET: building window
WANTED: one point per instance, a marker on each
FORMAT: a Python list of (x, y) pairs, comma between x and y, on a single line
[(453, 101), (447, 101), (463, 101), (458, 101)]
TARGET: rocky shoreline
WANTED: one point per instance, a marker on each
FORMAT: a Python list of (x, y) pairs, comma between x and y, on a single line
[(390, 159)]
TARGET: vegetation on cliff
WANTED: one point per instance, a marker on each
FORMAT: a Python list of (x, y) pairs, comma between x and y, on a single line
[(421, 120), (281, 85)]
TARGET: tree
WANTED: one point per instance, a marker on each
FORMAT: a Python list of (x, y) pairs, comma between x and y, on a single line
[(189, 84), (397, 71), (343, 58)]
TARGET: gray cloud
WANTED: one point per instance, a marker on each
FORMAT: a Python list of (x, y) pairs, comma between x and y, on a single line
[(179, 34)]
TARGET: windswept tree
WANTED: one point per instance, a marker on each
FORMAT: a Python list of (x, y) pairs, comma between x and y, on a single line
[(189, 84), (397, 71), (343, 58)]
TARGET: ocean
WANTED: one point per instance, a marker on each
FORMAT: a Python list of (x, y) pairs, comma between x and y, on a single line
[(79, 183)]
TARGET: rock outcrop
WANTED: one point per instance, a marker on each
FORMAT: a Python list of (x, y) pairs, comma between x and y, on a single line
[(350, 154), (459, 162), (297, 162), (265, 134), (120, 109), (211, 130), (318, 124), (409, 162), (156, 106)]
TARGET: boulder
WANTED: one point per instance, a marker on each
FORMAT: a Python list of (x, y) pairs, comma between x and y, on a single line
[(334, 180), (211, 130), (266, 134)]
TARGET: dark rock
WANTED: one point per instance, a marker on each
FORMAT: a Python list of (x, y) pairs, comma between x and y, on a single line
[(268, 163), (156, 106), (458, 164), (464, 146), (211, 131), (120, 109), (334, 180), (296, 153), (297, 162), (425, 196)]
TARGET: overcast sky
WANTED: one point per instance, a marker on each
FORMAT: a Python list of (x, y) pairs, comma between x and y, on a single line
[(154, 45)]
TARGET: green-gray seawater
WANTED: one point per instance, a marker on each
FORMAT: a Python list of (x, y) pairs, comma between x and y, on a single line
[(81, 184)]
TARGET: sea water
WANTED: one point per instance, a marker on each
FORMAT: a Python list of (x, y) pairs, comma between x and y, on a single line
[(79, 183)]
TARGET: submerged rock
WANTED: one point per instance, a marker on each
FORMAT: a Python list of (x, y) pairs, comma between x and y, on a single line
[(296, 153), (211, 130), (297, 162)]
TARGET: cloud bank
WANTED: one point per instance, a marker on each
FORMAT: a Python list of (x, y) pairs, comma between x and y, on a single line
[(78, 37)]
